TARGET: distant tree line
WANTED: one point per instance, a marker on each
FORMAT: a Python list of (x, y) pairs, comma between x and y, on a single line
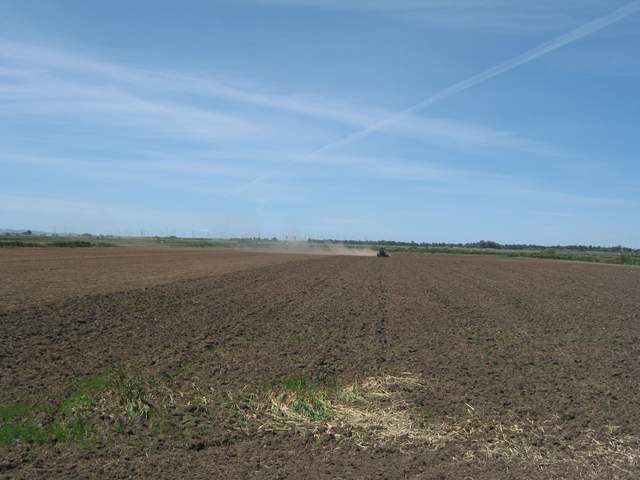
[(486, 244)]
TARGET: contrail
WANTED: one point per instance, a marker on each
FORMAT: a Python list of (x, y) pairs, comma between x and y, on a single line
[(479, 78), (547, 47)]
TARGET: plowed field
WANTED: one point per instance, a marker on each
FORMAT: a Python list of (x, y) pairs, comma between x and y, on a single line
[(219, 365)]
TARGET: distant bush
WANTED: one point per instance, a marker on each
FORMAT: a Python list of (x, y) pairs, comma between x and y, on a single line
[(18, 243), (629, 259), (56, 243), (79, 243), (483, 244), (71, 243)]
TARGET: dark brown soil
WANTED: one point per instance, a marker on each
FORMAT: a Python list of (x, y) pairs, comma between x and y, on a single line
[(36, 275), (535, 361)]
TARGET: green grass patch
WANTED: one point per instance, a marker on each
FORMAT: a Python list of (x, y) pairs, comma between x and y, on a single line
[(73, 415), (50, 421), (304, 399), (35, 426), (26, 431), (8, 412)]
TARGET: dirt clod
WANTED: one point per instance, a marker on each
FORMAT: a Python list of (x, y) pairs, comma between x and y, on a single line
[(327, 367)]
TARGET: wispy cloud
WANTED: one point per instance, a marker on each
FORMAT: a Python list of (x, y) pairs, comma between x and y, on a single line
[(528, 56), (522, 191), (34, 87), (43, 81), (144, 79), (176, 174), (495, 16), (401, 117), (239, 166), (58, 206), (66, 213), (214, 174), (554, 214)]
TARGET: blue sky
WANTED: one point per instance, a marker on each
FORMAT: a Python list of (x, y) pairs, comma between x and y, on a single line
[(431, 120)]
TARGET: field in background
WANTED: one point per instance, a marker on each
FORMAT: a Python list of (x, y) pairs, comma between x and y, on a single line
[(52, 274), (610, 255), (620, 256), (133, 362), (624, 258)]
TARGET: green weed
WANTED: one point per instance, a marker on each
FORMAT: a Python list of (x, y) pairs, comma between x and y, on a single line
[(304, 399), (73, 416), (132, 396), (8, 412)]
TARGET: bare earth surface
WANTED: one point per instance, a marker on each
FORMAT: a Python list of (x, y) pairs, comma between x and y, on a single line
[(436, 367), (31, 275)]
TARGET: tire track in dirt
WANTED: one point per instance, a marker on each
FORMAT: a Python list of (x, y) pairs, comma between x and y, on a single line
[(40, 275), (334, 331), (315, 318), (519, 341), (493, 334), (162, 326), (381, 318)]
